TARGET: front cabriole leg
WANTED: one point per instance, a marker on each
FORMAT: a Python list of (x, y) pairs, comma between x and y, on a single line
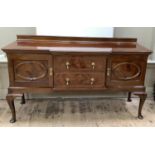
[(129, 97), (142, 96), (10, 100), (23, 99)]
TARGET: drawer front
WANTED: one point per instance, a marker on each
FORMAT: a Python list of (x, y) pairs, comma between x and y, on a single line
[(79, 63), (79, 80)]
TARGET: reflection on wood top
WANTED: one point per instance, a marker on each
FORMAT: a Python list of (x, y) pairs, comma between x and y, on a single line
[(74, 44)]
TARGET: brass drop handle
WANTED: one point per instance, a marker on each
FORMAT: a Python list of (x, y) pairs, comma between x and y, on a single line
[(67, 81), (92, 80), (50, 71), (93, 65), (108, 71), (67, 64), (32, 79)]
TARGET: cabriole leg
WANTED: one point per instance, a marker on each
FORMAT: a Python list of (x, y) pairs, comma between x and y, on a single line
[(23, 99), (10, 101), (142, 96), (129, 97)]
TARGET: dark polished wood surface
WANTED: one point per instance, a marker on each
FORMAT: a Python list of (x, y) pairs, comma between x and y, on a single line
[(50, 63)]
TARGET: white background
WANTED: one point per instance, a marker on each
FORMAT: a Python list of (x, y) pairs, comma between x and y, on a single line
[(76, 31), (70, 141)]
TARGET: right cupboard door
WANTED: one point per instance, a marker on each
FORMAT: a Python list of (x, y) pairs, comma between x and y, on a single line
[(125, 71)]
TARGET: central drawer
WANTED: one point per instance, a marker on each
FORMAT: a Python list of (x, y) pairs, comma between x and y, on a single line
[(79, 63), (79, 80), (79, 72)]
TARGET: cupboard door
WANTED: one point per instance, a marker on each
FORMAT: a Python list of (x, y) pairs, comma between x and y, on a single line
[(126, 71), (31, 70)]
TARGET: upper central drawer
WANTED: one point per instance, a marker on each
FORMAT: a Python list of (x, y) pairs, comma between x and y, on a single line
[(79, 63)]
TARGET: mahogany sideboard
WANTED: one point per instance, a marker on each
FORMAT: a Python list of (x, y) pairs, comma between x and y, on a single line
[(50, 63)]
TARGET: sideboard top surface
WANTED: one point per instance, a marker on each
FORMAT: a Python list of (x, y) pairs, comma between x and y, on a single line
[(75, 44)]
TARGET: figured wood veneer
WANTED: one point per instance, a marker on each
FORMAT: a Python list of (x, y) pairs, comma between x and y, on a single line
[(41, 64)]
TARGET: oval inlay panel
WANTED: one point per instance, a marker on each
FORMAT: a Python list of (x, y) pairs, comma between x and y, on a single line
[(126, 71), (30, 70)]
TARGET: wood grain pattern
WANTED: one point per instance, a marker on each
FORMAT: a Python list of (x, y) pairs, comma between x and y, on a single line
[(40, 64), (79, 80), (79, 63), (126, 71), (30, 70)]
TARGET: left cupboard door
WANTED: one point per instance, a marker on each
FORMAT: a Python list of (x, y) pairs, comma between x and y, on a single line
[(30, 70)]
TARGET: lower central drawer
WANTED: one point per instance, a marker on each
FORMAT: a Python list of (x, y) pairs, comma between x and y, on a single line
[(79, 80)]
